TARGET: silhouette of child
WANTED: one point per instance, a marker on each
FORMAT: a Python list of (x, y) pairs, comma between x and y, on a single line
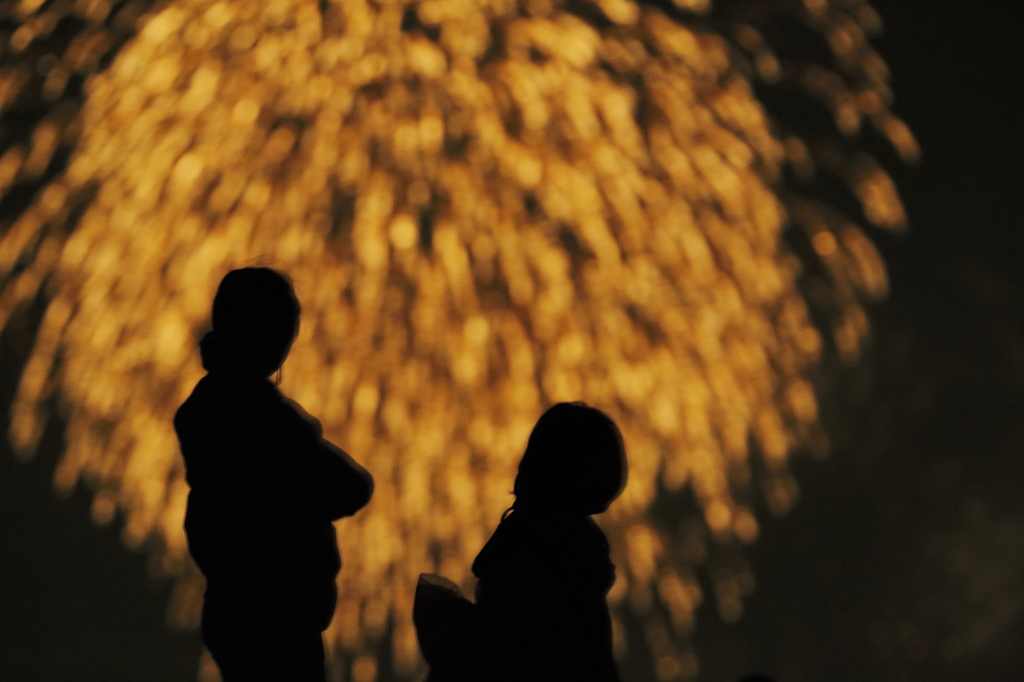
[(540, 612), (265, 487)]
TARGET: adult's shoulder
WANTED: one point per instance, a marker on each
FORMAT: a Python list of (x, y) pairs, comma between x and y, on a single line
[(200, 397), (305, 419), (223, 399)]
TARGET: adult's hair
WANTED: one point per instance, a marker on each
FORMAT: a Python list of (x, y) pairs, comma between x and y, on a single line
[(255, 320), (575, 461)]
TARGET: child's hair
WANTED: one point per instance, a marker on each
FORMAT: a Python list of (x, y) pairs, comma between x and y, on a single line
[(255, 319), (575, 461)]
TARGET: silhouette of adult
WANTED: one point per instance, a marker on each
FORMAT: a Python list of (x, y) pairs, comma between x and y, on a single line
[(265, 487), (541, 613)]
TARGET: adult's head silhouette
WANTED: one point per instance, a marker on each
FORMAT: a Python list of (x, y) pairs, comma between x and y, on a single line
[(255, 320), (575, 462)]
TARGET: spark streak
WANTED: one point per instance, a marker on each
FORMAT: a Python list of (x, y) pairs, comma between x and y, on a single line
[(486, 207)]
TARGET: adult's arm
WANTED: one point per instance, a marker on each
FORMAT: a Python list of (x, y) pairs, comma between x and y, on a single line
[(338, 486), (341, 485)]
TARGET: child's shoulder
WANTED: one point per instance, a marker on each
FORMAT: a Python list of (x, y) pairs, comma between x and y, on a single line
[(568, 526), (527, 534), (525, 544)]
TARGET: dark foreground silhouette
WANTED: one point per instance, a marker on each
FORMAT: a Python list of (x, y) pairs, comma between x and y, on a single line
[(540, 613), (265, 487)]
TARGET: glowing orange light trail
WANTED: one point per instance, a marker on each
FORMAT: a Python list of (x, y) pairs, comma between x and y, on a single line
[(486, 207)]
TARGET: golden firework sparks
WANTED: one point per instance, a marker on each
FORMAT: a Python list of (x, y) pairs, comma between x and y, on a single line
[(486, 207)]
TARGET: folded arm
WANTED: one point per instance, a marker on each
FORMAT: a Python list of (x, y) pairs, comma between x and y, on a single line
[(338, 485), (341, 485)]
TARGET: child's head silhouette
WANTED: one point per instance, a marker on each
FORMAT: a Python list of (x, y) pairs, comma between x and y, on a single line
[(255, 320), (575, 461)]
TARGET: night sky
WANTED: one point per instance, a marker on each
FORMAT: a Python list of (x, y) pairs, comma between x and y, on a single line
[(904, 559)]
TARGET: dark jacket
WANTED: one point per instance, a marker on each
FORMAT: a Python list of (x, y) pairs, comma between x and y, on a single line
[(265, 488), (541, 594)]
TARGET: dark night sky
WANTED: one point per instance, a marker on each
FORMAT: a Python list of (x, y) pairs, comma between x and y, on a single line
[(904, 560)]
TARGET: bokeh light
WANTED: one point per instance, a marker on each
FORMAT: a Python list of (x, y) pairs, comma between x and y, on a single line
[(486, 207)]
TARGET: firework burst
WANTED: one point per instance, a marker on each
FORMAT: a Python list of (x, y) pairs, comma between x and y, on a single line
[(486, 207)]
